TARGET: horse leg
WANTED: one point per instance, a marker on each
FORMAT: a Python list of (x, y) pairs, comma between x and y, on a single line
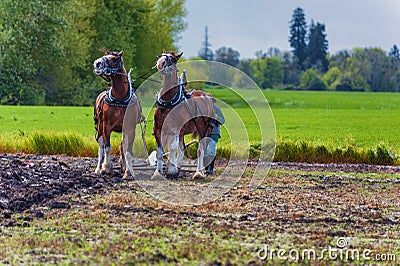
[(173, 148), (181, 151), (159, 169), (100, 142), (107, 166), (128, 137), (209, 152), (200, 158), (121, 160)]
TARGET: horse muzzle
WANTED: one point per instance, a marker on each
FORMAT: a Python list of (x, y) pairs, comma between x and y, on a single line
[(98, 72)]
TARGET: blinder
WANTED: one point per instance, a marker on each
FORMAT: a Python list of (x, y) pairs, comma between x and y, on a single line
[(169, 61), (106, 67), (169, 65)]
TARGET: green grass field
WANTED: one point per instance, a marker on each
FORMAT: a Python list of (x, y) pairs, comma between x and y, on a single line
[(334, 118), (365, 119), (330, 119)]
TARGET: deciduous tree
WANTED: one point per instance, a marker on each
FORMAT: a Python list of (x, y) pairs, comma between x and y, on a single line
[(267, 72), (227, 55)]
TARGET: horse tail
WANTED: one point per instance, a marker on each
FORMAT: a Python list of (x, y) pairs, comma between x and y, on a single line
[(98, 113)]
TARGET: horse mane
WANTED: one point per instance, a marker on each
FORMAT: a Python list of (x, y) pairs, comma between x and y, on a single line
[(108, 51), (173, 53)]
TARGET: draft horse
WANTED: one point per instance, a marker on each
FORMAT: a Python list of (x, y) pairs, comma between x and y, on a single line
[(179, 112), (110, 112)]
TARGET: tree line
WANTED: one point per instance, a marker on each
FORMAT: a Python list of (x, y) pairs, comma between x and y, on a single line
[(309, 65), (47, 48)]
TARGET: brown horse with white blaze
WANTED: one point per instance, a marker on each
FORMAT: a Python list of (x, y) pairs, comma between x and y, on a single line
[(179, 112), (110, 111)]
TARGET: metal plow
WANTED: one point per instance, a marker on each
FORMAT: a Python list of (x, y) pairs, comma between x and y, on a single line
[(151, 161)]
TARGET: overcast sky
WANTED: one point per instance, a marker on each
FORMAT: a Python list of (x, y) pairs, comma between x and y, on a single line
[(251, 25)]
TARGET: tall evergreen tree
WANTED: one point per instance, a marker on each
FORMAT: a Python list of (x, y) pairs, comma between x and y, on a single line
[(298, 31), (395, 52), (317, 48), (205, 52)]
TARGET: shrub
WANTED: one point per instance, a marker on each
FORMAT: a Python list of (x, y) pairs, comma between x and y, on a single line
[(304, 152), (312, 81), (70, 144), (380, 156)]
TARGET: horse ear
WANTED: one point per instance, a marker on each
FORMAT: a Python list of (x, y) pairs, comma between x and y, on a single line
[(179, 56), (103, 50), (121, 53)]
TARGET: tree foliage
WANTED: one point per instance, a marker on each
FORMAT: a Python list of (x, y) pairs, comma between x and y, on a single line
[(331, 77), (29, 47), (317, 48), (267, 72), (298, 34), (47, 47), (395, 52), (311, 80), (227, 56)]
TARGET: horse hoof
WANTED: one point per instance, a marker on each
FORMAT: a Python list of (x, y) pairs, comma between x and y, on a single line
[(198, 175), (97, 171), (172, 171), (127, 174), (173, 176), (156, 175), (107, 169)]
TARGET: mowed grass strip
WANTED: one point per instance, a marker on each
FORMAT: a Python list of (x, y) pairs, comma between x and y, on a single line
[(334, 120)]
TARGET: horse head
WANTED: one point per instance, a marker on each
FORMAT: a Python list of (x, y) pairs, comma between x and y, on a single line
[(109, 65), (166, 62)]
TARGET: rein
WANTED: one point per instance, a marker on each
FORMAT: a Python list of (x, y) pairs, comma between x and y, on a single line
[(145, 77)]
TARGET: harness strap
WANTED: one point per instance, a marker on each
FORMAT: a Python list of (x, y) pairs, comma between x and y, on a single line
[(108, 70), (129, 99), (177, 99), (198, 111)]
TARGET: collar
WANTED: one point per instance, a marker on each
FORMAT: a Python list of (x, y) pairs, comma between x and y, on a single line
[(177, 99)]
